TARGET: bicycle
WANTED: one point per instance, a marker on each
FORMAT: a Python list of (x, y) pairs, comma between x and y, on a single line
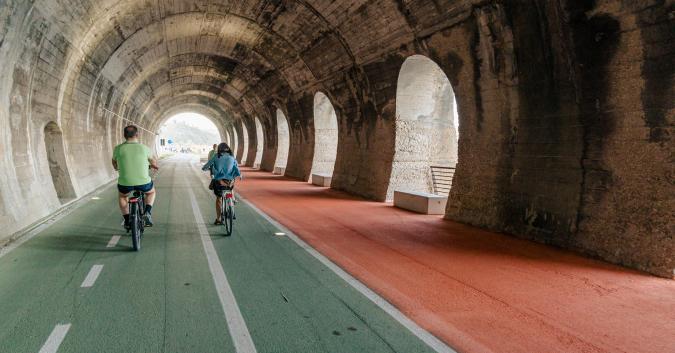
[(227, 209), (136, 216), (136, 222)]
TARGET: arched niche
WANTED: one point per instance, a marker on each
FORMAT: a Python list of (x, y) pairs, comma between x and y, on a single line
[(260, 138), (426, 129), (325, 135), (283, 140)]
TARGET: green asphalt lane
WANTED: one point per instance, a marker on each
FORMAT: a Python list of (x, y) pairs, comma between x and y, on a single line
[(164, 299)]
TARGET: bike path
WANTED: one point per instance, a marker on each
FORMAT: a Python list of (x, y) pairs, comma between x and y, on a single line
[(163, 299), (140, 301)]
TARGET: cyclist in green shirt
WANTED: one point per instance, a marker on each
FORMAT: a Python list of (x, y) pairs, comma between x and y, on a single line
[(133, 159)]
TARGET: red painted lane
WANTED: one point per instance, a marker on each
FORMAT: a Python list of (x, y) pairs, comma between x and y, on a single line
[(479, 291)]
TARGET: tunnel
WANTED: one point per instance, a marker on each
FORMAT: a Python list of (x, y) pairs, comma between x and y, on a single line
[(416, 176)]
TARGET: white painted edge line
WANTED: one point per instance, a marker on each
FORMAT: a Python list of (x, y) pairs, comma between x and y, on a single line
[(243, 343), (44, 224), (92, 276), (55, 338), (424, 335), (113, 241)]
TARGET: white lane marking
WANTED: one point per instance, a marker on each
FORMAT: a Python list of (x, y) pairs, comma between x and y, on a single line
[(92, 276), (113, 241), (424, 335), (55, 338), (432, 341), (243, 343)]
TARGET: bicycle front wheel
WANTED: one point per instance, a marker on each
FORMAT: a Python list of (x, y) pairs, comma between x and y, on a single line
[(228, 220)]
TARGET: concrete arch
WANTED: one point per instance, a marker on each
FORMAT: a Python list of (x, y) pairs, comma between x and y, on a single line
[(192, 108), (242, 152), (283, 139), (426, 126), (260, 138), (325, 135)]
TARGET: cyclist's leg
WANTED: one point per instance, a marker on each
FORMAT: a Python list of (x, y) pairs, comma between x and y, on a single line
[(149, 199), (219, 208), (123, 201), (218, 191), (150, 193)]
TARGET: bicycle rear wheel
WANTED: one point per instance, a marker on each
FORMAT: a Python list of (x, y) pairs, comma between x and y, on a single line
[(228, 219), (135, 220)]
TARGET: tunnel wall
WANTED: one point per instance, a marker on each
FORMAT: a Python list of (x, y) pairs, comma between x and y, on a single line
[(546, 125), (35, 92), (565, 106)]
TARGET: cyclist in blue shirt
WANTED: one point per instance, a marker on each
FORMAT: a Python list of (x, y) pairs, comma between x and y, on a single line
[(225, 171)]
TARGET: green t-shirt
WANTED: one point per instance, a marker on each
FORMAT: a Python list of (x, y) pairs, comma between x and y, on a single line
[(211, 154), (132, 162)]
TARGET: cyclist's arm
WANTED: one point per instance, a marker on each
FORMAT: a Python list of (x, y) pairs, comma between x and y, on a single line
[(237, 172), (114, 164), (153, 163), (208, 164)]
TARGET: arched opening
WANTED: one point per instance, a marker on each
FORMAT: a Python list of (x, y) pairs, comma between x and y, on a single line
[(56, 158), (260, 138), (189, 133), (244, 141), (230, 140), (426, 129), (325, 136), (234, 139), (283, 141)]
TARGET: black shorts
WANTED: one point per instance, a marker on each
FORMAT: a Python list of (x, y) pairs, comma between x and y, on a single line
[(218, 189), (123, 189)]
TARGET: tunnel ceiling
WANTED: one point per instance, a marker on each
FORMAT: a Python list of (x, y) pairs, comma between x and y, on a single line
[(226, 55)]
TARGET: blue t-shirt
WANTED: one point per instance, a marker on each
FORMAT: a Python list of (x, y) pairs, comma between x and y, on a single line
[(224, 167)]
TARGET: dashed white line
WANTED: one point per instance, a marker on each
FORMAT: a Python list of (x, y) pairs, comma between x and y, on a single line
[(113, 241), (55, 338), (92, 276), (235, 321)]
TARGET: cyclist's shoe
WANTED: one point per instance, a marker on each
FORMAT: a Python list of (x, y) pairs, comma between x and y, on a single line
[(217, 222), (126, 225), (148, 220), (234, 215)]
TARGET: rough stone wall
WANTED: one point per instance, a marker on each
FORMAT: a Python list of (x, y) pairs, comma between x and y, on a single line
[(565, 106)]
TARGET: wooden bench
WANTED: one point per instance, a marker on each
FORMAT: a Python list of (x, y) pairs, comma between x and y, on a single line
[(279, 170), (320, 179), (420, 202)]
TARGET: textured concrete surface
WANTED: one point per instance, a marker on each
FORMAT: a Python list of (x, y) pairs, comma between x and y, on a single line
[(478, 291), (565, 107)]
